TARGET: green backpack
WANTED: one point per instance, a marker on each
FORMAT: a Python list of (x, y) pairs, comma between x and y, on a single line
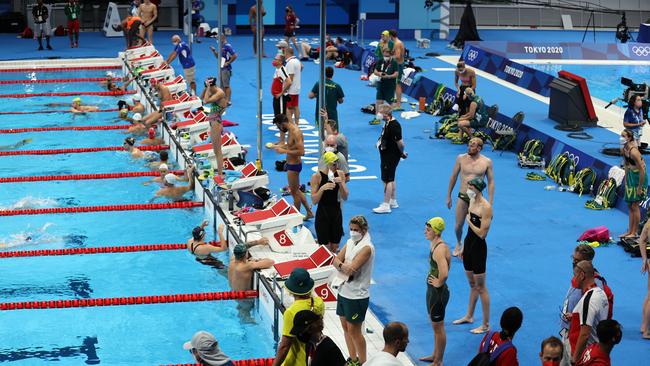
[(532, 150), (583, 181), (561, 168), (446, 125), (605, 197)]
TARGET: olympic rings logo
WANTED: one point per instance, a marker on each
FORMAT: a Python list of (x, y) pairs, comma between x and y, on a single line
[(472, 55), (641, 50)]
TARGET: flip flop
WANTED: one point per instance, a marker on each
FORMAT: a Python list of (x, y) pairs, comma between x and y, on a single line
[(462, 320), (426, 359), (480, 330)]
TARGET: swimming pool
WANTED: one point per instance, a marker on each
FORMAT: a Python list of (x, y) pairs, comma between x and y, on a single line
[(604, 81), (136, 334)]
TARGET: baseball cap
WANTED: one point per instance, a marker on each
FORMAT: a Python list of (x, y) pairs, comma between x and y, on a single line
[(302, 320), (207, 348)]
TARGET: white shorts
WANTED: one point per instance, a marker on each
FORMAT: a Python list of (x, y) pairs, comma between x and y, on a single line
[(43, 28)]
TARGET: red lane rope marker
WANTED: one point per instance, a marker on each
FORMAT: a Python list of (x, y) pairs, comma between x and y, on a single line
[(52, 81), (78, 150), (131, 300), (127, 207), (55, 69), (41, 178), (251, 362), (66, 94), (58, 111), (99, 250), (68, 128)]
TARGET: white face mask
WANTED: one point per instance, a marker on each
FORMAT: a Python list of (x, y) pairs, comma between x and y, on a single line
[(623, 140), (386, 58), (355, 235), (471, 194), (330, 175), (330, 149)]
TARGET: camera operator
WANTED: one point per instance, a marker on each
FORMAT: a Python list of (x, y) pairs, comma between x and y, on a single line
[(634, 119)]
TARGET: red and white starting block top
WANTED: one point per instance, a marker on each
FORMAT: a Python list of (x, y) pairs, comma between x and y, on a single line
[(249, 179), (176, 85), (230, 147), (183, 102), (153, 60), (281, 214)]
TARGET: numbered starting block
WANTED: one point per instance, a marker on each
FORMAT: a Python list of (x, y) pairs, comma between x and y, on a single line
[(177, 85), (153, 60), (160, 73), (230, 147), (319, 265), (139, 51), (280, 215), (285, 240), (182, 103), (248, 181)]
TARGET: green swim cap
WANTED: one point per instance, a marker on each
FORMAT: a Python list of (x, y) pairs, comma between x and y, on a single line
[(478, 183), (437, 224), (240, 251)]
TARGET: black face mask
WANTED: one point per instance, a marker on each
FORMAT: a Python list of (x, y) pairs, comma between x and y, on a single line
[(304, 337)]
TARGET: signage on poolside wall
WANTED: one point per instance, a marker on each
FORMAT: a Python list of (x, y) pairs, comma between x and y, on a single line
[(508, 70), (567, 50)]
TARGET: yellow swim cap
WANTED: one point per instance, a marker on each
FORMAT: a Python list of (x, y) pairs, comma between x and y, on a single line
[(76, 100), (385, 33), (437, 224), (329, 157)]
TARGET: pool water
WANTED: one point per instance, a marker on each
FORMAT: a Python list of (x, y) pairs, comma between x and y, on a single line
[(119, 335), (604, 81)]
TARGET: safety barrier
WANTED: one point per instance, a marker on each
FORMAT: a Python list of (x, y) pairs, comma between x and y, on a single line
[(56, 111), (79, 150), (131, 300), (53, 81), (98, 250), (60, 69), (251, 362), (67, 94), (67, 128), (127, 207), (41, 178)]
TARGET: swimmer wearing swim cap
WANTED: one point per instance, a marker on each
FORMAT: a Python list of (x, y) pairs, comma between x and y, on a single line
[(174, 192), (437, 291), (242, 267), (78, 108), (129, 146), (202, 251)]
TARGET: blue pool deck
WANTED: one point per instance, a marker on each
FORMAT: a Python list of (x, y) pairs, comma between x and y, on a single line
[(533, 231)]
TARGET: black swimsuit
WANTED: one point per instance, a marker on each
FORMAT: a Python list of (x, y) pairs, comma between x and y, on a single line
[(209, 260), (329, 218), (475, 251)]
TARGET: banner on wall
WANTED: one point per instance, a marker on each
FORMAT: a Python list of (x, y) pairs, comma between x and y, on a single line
[(508, 70), (567, 50)]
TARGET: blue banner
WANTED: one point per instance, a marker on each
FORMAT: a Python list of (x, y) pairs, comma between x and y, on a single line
[(508, 70), (567, 50)]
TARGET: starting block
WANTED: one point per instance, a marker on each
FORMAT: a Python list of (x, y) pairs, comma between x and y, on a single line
[(139, 51), (280, 215), (177, 85), (229, 147), (184, 102), (319, 265), (285, 240), (153, 60), (162, 73), (248, 181)]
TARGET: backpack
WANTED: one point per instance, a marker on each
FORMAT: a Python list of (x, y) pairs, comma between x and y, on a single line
[(608, 293), (504, 142), (598, 233), (583, 181), (485, 358), (60, 31), (532, 150), (561, 168), (605, 196), (446, 125)]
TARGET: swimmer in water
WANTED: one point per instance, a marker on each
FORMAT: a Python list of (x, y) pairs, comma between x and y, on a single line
[(31, 202), (129, 146), (18, 144), (176, 193), (38, 236), (77, 107), (151, 138), (163, 169)]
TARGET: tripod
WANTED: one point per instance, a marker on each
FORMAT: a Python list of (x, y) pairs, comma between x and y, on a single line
[(591, 22)]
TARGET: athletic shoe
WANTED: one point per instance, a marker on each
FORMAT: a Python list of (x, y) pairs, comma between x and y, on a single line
[(382, 208), (374, 122), (49, 47), (351, 362), (393, 204)]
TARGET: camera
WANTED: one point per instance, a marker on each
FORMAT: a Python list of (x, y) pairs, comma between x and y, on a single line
[(634, 89)]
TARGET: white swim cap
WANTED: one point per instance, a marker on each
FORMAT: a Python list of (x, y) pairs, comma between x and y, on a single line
[(170, 178), (137, 117), (136, 97), (163, 167)]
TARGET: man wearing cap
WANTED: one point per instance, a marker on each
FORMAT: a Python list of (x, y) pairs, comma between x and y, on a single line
[(321, 350), (176, 192), (184, 53), (474, 254), (291, 352), (384, 43), (328, 191), (437, 291), (205, 349), (77, 107)]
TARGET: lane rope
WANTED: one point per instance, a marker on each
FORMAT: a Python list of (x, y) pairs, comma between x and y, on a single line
[(53, 81), (41, 178), (66, 128), (56, 111), (60, 69), (67, 94), (126, 207), (77, 150), (130, 300), (251, 362), (97, 250)]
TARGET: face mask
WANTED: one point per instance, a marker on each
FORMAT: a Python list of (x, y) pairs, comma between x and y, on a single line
[(380, 115), (330, 149), (386, 58), (622, 140), (471, 194), (330, 175), (355, 235)]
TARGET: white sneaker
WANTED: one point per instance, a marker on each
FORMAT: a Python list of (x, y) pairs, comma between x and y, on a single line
[(382, 208), (394, 204)]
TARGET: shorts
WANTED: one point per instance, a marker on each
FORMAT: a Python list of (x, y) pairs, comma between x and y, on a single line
[(478, 123), (293, 101), (293, 167), (73, 26), (225, 78), (388, 168), (464, 197), (474, 253), (289, 34), (313, 53), (329, 224), (400, 72), (190, 74), (437, 299), (280, 105), (354, 311), (386, 92), (44, 28)]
